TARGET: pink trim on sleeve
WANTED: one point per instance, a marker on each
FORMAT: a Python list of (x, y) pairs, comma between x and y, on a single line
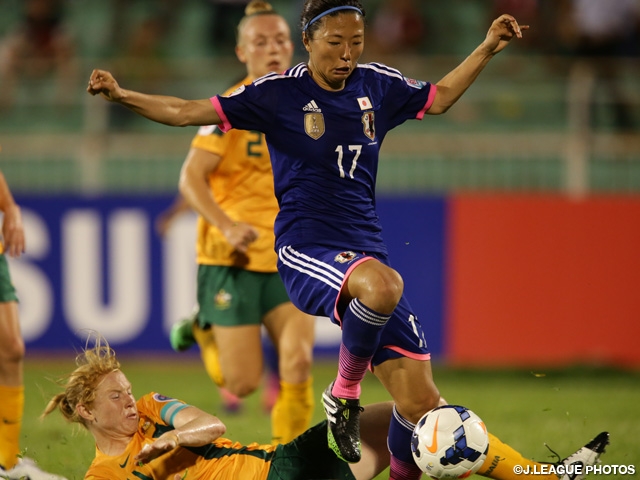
[(432, 96), (225, 126)]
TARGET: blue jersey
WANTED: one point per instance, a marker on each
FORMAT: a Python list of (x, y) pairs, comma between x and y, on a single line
[(324, 148)]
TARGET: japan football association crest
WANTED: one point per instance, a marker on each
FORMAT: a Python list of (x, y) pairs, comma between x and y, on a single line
[(345, 257), (314, 125), (368, 125)]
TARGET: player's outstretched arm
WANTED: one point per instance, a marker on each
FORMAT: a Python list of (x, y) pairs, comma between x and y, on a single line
[(455, 83), (172, 111)]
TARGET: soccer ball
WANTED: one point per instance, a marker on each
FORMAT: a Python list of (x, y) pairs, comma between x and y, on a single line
[(449, 442)]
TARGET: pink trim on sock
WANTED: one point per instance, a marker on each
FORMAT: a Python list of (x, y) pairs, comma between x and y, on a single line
[(343, 388), (351, 371), (404, 471)]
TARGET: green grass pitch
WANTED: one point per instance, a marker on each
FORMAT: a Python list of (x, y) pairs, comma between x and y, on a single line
[(526, 409)]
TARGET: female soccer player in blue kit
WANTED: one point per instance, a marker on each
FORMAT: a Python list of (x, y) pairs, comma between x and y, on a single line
[(324, 122)]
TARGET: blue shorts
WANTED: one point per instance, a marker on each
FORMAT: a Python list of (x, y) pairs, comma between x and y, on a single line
[(313, 277)]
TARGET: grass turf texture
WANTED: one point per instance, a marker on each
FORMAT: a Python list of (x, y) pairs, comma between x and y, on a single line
[(564, 408)]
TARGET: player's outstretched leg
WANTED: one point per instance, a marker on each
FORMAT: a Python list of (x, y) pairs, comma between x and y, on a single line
[(585, 457), (503, 461), (343, 433), (186, 333)]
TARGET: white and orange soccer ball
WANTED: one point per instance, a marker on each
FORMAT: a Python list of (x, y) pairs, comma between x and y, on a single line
[(450, 442)]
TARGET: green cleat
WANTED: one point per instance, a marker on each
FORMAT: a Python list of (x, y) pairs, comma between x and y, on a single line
[(343, 432), (181, 336)]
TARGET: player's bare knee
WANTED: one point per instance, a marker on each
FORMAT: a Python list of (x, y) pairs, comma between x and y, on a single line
[(241, 387), (380, 289), (296, 367), (388, 292), (13, 351), (240, 390)]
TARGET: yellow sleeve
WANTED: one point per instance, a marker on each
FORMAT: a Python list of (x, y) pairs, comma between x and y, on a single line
[(242, 185), (211, 139)]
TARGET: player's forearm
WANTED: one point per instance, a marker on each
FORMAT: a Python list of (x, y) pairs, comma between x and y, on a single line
[(199, 431), (195, 190), (6, 198), (456, 82), (168, 110)]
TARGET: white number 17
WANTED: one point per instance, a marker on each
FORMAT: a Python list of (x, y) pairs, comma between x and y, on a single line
[(354, 163)]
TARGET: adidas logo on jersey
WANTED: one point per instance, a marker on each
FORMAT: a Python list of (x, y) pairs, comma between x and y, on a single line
[(312, 106)]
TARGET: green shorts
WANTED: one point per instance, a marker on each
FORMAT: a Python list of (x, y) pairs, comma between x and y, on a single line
[(231, 296), (308, 457), (7, 290)]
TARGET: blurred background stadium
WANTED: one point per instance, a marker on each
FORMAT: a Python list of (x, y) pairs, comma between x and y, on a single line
[(540, 119), (514, 218), (517, 211)]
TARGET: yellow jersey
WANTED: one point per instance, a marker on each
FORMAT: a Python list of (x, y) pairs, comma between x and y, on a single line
[(222, 459), (242, 184)]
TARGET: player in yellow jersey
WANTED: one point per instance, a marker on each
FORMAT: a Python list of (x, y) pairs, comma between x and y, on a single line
[(159, 437), (12, 350), (227, 179), (163, 438)]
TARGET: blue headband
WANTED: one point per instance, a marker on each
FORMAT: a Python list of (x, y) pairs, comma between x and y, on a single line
[(331, 10)]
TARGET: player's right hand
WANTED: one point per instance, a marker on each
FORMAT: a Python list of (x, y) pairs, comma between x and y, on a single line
[(13, 232), (240, 235), (102, 82)]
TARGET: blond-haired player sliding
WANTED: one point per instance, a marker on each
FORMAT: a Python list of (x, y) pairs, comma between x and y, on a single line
[(325, 121)]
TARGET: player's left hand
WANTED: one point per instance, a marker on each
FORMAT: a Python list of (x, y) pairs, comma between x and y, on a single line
[(240, 235), (502, 30)]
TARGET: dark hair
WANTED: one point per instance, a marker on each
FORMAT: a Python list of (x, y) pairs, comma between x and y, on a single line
[(312, 8)]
